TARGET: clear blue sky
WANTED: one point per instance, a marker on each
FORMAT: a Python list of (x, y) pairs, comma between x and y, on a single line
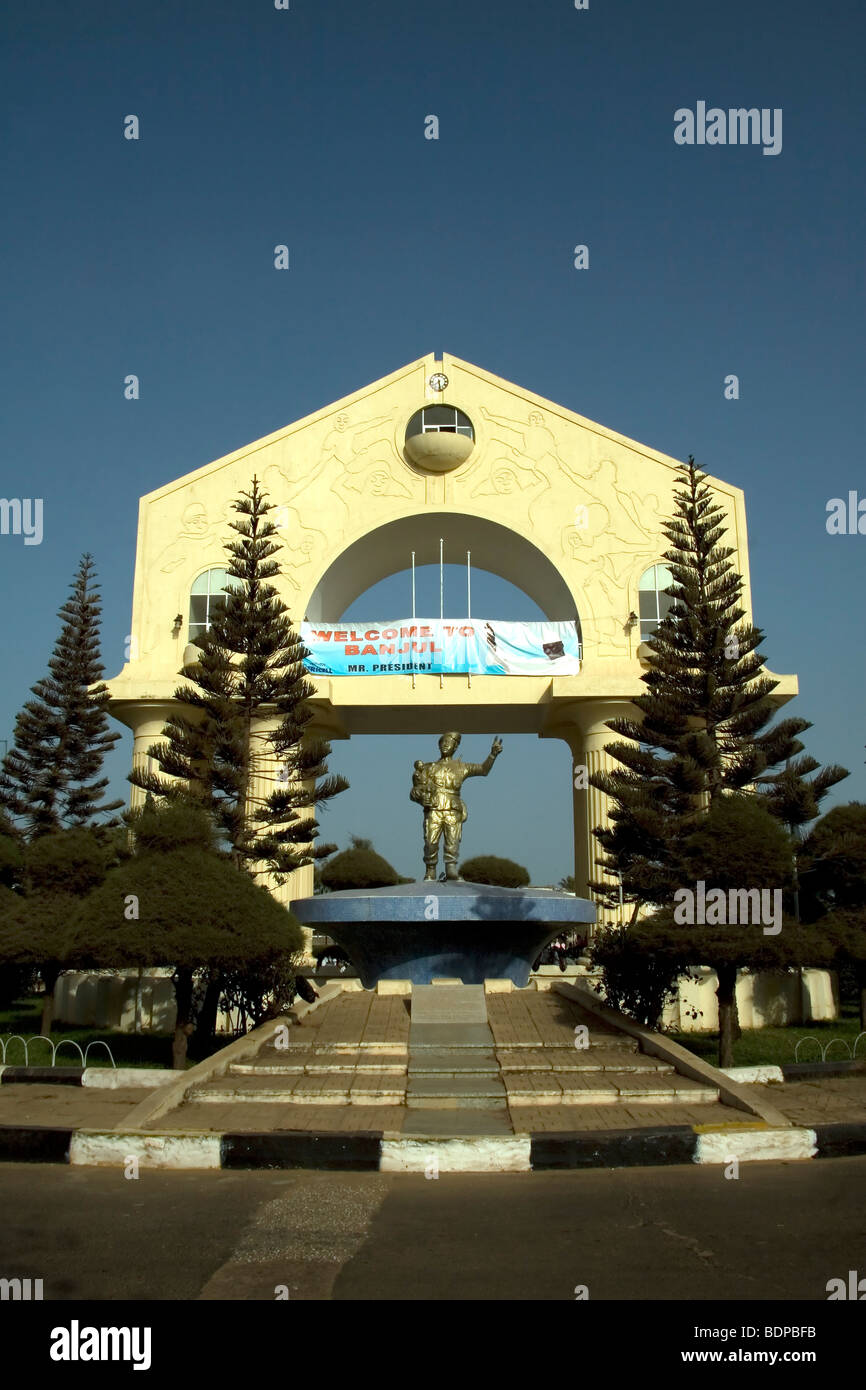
[(262, 126)]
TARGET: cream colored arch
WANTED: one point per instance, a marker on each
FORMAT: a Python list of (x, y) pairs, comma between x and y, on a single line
[(565, 508)]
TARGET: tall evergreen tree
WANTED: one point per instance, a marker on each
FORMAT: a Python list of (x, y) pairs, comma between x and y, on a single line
[(795, 799), (243, 716), (704, 727), (834, 861), (834, 879), (11, 853), (49, 781)]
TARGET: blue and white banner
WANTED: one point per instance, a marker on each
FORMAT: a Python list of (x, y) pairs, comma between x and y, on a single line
[(432, 646)]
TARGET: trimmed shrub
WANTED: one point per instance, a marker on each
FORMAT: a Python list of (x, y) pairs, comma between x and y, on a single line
[(489, 868), (358, 868)]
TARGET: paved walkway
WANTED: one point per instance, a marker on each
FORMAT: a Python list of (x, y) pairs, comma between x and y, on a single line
[(533, 1033), (807, 1103), (834, 1100), (67, 1107)]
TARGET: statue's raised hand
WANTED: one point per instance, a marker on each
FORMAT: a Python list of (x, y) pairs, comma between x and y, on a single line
[(496, 747)]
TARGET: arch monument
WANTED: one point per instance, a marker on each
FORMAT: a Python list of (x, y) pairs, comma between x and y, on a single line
[(568, 510)]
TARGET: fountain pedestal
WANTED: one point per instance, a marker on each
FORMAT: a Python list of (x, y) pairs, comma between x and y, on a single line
[(467, 931)]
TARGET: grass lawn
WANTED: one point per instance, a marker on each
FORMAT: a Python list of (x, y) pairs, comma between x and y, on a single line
[(776, 1046), (127, 1049)]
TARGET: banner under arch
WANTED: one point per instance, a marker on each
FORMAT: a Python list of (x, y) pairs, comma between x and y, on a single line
[(432, 646)]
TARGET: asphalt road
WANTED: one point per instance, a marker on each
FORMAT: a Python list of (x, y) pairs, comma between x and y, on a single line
[(779, 1231)]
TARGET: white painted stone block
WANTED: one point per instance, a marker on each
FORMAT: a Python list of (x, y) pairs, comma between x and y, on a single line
[(112, 1078), (496, 1154), (151, 1150), (756, 1145), (754, 1075)]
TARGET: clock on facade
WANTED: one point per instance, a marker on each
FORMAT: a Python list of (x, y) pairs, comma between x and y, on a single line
[(438, 381)]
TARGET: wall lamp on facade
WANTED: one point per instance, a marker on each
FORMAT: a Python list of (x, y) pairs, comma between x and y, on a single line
[(178, 624), (631, 620)]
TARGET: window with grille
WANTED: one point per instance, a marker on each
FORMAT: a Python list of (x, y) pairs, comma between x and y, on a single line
[(654, 603), (440, 419), (207, 594)]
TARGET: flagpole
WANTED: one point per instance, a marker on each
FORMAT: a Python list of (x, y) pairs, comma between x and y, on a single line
[(441, 596), (441, 580), (469, 602)]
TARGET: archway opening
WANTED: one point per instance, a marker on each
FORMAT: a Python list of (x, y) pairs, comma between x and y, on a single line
[(505, 578), (388, 550)]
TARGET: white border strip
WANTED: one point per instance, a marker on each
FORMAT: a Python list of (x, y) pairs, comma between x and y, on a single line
[(753, 1145), (92, 1147), (110, 1078), (497, 1154), (755, 1075)]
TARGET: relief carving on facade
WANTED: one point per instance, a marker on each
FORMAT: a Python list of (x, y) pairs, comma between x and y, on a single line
[(197, 545), (355, 457), (604, 542)]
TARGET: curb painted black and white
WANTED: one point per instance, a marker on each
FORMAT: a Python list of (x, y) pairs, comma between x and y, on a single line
[(377, 1151), (102, 1078)]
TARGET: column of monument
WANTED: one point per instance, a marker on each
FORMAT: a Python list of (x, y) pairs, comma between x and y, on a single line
[(587, 738)]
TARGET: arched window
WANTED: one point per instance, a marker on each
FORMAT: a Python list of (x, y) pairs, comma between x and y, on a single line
[(654, 603), (206, 595)]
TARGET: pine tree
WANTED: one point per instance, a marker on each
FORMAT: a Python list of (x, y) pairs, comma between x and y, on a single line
[(796, 801), (704, 731), (217, 748), (49, 781), (834, 878)]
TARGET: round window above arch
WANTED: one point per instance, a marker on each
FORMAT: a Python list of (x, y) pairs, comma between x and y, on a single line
[(439, 438)]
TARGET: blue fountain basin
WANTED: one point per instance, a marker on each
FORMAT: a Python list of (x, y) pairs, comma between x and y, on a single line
[(468, 931)]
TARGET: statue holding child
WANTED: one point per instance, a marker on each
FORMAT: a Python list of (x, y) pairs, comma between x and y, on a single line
[(436, 788)]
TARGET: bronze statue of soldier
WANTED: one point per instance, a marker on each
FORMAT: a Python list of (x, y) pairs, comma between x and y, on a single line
[(436, 788)]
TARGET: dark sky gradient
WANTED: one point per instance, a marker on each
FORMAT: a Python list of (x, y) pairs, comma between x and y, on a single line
[(306, 127)]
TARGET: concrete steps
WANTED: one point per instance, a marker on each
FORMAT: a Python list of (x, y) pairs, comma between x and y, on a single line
[(325, 1088), (455, 1092), (585, 1060), (314, 1062), (604, 1088), (560, 1043), (459, 1051), (453, 1061), (337, 1049)]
